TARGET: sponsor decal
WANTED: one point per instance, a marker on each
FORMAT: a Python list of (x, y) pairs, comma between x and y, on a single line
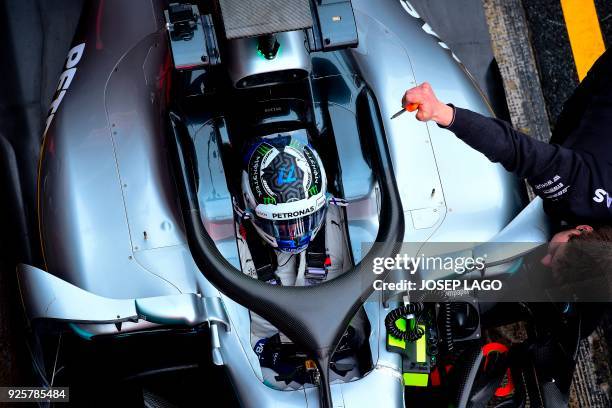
[(289, 175), (601, 196), (553, 189), (559, 193), (255, 166), (547, 183), (273, 109), (74, 56), (269, 200), (314, 169), (263, 149), (293, 214), (427, 28)]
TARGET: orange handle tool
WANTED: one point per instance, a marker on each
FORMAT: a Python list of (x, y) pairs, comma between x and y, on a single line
[(411, 107)]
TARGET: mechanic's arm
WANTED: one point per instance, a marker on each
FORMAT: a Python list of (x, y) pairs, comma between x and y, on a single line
[(546, 166)]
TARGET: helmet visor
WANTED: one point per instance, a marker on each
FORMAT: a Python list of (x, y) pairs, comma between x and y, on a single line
[(292, 235)]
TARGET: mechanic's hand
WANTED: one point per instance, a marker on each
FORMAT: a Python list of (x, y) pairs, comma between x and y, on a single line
[(429, 107)]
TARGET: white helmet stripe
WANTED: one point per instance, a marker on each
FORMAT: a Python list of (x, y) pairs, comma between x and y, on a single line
[(289, 211)]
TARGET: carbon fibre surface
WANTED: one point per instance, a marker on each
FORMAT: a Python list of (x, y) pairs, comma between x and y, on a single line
[(254, 18)]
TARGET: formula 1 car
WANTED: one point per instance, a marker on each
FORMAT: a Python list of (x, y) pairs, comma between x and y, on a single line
[(138, 172)]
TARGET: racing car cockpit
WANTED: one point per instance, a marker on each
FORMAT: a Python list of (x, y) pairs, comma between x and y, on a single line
[(181, 98)]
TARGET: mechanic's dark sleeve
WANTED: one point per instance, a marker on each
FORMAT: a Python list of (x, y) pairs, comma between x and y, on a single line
[(551, 169)]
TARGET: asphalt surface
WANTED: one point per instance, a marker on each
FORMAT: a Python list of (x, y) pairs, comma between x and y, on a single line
[(553, 52)]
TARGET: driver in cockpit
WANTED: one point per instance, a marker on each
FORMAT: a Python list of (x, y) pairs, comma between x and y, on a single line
[(292, 232)]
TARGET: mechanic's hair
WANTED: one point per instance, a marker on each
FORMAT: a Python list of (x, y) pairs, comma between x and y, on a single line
[(587, 259)]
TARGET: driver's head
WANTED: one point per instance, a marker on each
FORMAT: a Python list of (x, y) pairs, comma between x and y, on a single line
[(582, 254), (284, 188)]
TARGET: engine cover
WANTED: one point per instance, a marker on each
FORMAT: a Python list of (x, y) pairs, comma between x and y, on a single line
[(249, 68)]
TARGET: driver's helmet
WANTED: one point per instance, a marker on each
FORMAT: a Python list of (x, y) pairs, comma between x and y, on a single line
[(284, 187)]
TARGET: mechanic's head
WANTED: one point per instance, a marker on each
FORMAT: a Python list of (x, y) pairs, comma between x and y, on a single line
[(284, 188), (581, 254)]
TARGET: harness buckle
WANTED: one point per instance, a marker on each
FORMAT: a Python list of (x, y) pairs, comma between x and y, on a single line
[(317, 267), (266, 273)]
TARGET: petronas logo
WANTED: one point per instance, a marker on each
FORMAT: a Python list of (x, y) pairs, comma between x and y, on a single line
[(269, 200)]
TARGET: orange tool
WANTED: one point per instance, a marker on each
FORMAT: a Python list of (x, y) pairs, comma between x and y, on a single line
[(411, 107)]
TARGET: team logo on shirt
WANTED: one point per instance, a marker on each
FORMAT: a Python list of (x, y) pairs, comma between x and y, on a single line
[(602, 195)]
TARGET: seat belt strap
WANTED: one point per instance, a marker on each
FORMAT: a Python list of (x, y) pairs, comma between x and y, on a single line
[(262, 255), (318, 261)]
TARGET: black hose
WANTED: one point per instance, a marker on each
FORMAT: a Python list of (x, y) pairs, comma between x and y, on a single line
[(468, 375), (447, 326), (410, 334)]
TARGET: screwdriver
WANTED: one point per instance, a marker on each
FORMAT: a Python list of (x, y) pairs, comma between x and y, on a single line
[(411, 107)]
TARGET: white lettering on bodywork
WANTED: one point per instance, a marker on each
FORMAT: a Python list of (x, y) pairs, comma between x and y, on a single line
[(74, 56), (427, 28)]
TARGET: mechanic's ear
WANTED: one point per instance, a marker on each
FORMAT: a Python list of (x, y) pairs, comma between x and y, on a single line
[(547, 260)]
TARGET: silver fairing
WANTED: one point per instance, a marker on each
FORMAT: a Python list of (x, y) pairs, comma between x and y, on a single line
[(103, 181), (292, 57), (109, 218), (450, 192)]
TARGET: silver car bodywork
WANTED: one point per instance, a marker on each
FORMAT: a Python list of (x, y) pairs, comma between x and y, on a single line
[(114, 245)]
